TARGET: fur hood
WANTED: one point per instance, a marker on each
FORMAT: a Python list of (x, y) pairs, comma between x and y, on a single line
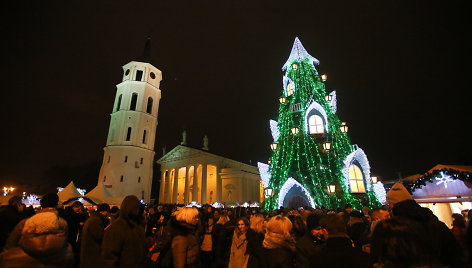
[(181, 227)]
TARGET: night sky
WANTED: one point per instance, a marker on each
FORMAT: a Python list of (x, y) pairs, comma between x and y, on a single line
[(400, 70)]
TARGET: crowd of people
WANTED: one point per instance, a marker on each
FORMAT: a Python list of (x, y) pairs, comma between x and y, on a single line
[(400, 234)]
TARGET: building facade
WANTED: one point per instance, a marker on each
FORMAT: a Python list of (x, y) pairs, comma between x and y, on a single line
[(189, 174)]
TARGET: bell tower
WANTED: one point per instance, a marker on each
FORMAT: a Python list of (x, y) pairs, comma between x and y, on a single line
[(129, 152)]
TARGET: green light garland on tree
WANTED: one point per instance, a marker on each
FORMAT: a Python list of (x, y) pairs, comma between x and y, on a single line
[(301, 155)]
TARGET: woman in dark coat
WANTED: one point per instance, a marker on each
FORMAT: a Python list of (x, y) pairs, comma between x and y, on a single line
[(222, 241), (278, 249)]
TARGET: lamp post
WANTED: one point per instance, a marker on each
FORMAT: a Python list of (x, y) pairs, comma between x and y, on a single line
[(324, 77), (282, 100), (344, 127), (374, 179), (332, 188), (329, 98), (273, 146), (267, 192), (327, 145), (294, 130)]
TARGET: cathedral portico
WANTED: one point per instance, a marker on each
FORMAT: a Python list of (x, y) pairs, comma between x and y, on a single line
[(190, 174)]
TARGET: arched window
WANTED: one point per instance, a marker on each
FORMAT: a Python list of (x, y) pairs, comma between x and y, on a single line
[(134, 100), (356, 179), (118, 105), (149, 106), (316, 124), (144, 137), (128, 134)]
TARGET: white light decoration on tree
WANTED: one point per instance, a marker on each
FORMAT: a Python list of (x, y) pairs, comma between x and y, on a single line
[(286, 188), (299, 53), (444, 179), (264, 172), (274, 130), (379, 191), (316, 106), (361, 158), (332, 102)]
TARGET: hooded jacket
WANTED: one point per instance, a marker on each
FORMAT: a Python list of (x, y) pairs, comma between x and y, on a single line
[(39, 241), (185, 247), (124, 242), (92, 237)]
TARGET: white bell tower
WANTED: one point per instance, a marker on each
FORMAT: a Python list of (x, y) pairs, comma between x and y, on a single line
[(129, 151)]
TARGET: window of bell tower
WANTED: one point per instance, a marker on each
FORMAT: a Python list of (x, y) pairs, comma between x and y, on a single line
[(134, 100), (139, 75), (128, 134), (119, 102), (149, 106)]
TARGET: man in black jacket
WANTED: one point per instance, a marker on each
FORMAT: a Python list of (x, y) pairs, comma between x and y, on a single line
[(312, 242), (92, 236)]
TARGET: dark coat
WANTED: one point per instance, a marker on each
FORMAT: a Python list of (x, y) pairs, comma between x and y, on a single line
[(441, 238), (339, 252), (10, 218), (185, 246), (92, 237), (39, 241), (73, 222), (306, 247), (273, 258), (124, 242), (223, 237)]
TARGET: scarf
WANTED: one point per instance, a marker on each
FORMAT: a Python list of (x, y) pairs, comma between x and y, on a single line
[(275, 240)]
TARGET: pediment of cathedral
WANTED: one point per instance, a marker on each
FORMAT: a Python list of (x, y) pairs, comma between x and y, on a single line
[(182, 153)]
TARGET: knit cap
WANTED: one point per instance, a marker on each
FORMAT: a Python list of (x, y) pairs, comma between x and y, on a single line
[(397, 194)]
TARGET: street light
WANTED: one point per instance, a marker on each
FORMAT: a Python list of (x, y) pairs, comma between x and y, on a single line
[(267, 192), (273, 146), (294, 130), (327, 145), (324, 77), (329, 98), (374, 179), (344, 127), (282, 100), (331, 188)]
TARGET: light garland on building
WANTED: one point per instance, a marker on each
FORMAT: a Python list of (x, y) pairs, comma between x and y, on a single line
[(380, 192), (361, 158), (315, 106), (274, 130), (333, 103)]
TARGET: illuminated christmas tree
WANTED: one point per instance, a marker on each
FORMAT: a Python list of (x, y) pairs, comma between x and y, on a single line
[(313, 162)]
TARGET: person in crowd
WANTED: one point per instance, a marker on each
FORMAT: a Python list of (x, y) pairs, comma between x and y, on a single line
[(39, 241), (92, 237), (255, 235), (440, 237), (216, 215), (312, 242), (75, 216), (207, 239), (356, 227), (459, 229), (239, 256), (401, 242), (339, 250), (114, 213), (278, 249), (299, 228), (184, 245), (345, 213), (151, 221), (124, 242), (10, 216), (223, 239)]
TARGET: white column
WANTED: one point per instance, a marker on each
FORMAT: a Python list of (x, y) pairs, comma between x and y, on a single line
[(161, 188), (204, 183), (176, 186), (187, 185), (167, 191), (195, 184), (219, 184)]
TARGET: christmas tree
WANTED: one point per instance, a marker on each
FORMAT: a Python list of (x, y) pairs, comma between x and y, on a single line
[(313, 162)]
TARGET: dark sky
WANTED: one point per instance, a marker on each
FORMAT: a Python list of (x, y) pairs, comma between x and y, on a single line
[(400, 69)]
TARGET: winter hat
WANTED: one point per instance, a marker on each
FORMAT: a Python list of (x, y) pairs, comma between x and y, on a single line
[(312, 221), (397, 194)]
